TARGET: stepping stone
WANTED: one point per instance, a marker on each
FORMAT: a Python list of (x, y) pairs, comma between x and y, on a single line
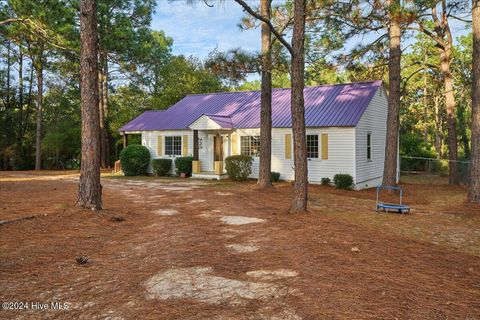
[(240, 220)]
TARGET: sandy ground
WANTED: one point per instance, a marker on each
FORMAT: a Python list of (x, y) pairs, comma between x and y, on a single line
[(191, 249)]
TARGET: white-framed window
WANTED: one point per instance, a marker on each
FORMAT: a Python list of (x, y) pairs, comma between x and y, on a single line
[(250, 145), (369, 146), (173, 145), (312, 146)]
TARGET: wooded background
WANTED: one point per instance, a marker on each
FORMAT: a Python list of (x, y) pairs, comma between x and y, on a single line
[(345, 42)]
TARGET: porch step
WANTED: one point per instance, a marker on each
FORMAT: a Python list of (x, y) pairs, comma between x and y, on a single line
[(209, 175)]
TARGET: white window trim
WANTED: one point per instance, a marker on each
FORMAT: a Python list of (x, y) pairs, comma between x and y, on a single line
[(165, 146), (369, 133), (319, 146)]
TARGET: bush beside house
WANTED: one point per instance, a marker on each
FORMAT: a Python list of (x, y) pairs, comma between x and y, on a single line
[(161, 167), (343, 181), (326, 181), (184, 165), (238, 167), (275, 176), (135, 160)]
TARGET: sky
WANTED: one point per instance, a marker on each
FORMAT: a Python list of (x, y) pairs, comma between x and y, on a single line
[(198, 29)]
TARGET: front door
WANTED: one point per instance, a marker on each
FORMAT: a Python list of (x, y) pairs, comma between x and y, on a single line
[(218, 148)]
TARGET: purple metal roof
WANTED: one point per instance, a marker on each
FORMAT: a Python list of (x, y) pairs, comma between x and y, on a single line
[(222, 121), (339, 105)]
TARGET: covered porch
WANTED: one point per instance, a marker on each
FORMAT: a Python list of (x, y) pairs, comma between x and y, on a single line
[(213, 141)]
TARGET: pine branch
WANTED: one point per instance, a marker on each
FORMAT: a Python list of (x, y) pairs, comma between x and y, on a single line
[(258, 16)]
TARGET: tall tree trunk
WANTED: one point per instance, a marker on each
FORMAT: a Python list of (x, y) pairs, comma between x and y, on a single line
[(106, 140), (300, 190), (425, 100), (38, 138), (264, 179), (438, 127), (445, 61), (9, 67), (474, 187), (29, 101), (391, 146), (20, 97), (90, 189), (103, 109)]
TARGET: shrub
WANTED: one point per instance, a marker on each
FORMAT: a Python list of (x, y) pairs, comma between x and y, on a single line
[(275, 176), (135, 160), (326, 181), (343, 181), (184, 165), (238, 167), (161, 167)]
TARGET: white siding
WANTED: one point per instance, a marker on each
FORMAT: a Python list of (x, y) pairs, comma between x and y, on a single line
[(150, 140), (369, 173), (204, 123), (256, 161), (341, 157)]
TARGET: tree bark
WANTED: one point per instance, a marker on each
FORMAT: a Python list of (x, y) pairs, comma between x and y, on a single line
[(300, 189), (391, 146), (474, 186), (103, 110), (264, 179), (20, 97), (39, 102), (445, 62), (90, 189), (438, 127)]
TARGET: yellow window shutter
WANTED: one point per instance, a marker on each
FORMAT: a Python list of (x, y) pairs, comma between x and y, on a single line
[(324, 146), (288, 146), (185, 146), (234, 144), (160, 146)]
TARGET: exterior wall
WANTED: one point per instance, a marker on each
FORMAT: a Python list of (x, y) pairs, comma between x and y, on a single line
[(347, 148), (204, 123), (341, 157), (369, 173), (150, 140)]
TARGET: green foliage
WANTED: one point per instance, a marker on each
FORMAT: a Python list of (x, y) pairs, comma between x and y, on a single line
[(275, 176), (343, 181), (161, 167), (182, 76), (238, 167), (61, 145), (184, 165), (326, 181), (135, 159)]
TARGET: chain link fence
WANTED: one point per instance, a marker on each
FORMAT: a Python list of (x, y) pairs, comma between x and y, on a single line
[(434, 167)]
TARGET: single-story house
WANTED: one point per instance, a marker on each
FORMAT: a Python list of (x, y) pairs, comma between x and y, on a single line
[(345, 127)]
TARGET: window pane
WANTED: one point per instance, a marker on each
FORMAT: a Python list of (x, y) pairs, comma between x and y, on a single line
[(173, 145), (369, 146), (245, 145), (312, 146), (168, 145), (255, 146)]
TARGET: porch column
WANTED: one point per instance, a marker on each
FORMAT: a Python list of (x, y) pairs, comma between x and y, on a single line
[(195, 145), (125, 140), (196, 161)]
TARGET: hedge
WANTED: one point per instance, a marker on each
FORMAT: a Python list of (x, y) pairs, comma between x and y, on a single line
[(135, 159), (238, 167), (184, 165), (161, 167), (343, 181), (275, 176), (326, 181)]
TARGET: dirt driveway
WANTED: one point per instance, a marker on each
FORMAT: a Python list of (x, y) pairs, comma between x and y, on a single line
[(191, 249)]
